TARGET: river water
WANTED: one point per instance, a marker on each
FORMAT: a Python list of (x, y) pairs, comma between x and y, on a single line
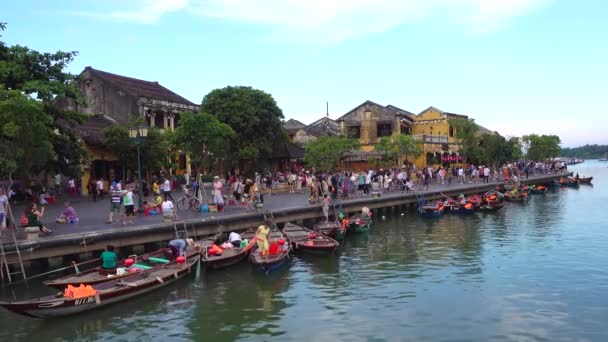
[(532, 272)]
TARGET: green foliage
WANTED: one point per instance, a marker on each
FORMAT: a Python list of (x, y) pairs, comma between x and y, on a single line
[(254, 116), (586, 152), (495, 150), (25, 134), (398, 145), (516, 147), (31, 81), (468, 139), (541, 147), (202, 136), (326, 151)]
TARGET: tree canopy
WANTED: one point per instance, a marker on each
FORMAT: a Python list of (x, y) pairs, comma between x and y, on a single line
[(254, 116), (586, 152), (31, 81), (202, 136), (397, 146), (540, 147), (326, 151)]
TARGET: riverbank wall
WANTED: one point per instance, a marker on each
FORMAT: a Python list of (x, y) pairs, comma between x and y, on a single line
[(81, 246)]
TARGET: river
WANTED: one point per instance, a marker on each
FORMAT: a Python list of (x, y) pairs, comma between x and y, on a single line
[(531, 272)]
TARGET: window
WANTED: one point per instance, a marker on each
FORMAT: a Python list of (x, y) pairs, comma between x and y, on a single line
[(451, 132), (406, 130), (384, 130), (354, 132)]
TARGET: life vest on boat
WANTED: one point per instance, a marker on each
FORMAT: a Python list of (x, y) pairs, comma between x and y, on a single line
[(79, 292), (214, 250), (468, 206), (344, 224)]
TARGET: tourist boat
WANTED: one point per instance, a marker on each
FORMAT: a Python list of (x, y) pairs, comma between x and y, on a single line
[(331, 229), (145, 263), (272, 262), (518, 197), (105, 293), (573, 183), (491, 207), (357, 225), (538, 190), (308, 241), (585, 180), (228, 256), (430, 211)]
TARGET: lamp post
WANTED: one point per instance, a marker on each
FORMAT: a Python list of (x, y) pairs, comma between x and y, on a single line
[(139, 134)]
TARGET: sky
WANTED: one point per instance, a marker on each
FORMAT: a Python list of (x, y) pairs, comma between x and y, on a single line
[(515, 66)]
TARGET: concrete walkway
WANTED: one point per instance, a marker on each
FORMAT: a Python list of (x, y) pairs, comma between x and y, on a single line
[(93, 215)]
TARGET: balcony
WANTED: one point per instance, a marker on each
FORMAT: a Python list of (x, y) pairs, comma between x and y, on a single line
[(434, 139)]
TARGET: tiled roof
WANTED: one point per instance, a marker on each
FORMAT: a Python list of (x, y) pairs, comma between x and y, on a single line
[(91, 129), (141, 88), (287, 150)]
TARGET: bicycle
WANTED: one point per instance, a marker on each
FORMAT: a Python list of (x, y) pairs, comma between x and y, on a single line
[(188, 201)]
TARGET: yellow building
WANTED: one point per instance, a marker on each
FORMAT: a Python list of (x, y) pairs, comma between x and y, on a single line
[(369, 122), (437, 143)]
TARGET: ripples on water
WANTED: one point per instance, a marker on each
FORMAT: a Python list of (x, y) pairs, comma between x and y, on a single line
[(533, 272)]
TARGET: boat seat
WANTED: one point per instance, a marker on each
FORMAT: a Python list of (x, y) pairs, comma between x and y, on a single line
[(158, 260), (143, 267)]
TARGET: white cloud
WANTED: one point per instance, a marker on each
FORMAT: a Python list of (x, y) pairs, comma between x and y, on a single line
[(336, 20)]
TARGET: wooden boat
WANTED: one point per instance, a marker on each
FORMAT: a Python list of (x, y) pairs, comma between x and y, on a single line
[(539, 190), (331, 229), (308, 241), (452, 207), (228, 257), (585, 180), (430, 211), (144, 262), (573, 183), (108, 292), (519, 197), (491, 207), (356, 225), (269, 263)]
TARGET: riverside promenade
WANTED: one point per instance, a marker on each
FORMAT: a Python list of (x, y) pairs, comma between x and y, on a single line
[(92, 233)]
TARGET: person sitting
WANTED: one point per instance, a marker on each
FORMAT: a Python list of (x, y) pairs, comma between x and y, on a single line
[(234, 239), (178, 247), (33, 218), (108, 259), (168, 210), (366, 214), (69, 215)]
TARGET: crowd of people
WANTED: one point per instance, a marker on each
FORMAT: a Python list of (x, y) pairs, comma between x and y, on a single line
[(320, 186)]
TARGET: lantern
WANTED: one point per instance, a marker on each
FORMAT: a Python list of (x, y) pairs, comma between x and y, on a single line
[(129, 262), (180, 259)]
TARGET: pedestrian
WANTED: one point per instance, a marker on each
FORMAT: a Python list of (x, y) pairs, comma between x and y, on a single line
[(127, 200), (115, 201), (168, 210), (93, 189), (167, 189), (100, 188), (217, 193), (72, 185), (3, 208)]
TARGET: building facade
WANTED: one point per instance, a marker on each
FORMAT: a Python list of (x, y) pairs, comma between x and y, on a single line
[(110, 99)]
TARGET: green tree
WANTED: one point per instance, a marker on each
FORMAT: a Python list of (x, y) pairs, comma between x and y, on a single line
[(25, 136), (516, 148), (467, 138), (326, 151), (495, 150), (397, 146), (254, 116), (202, 135), (586, 152), (540, 147), (41, 79)]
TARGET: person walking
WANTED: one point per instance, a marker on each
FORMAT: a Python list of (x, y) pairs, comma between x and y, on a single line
[(115, 201), (3, 209), (129, 203), (72, 185), (100, 188), (167, 189), (217, 193)]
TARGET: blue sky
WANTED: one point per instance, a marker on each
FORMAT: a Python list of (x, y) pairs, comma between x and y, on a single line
[(516, 66)]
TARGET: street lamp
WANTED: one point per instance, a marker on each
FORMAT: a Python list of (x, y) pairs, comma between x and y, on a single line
[(139, 134)]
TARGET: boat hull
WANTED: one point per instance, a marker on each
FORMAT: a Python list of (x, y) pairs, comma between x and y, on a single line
[(57, 306)]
